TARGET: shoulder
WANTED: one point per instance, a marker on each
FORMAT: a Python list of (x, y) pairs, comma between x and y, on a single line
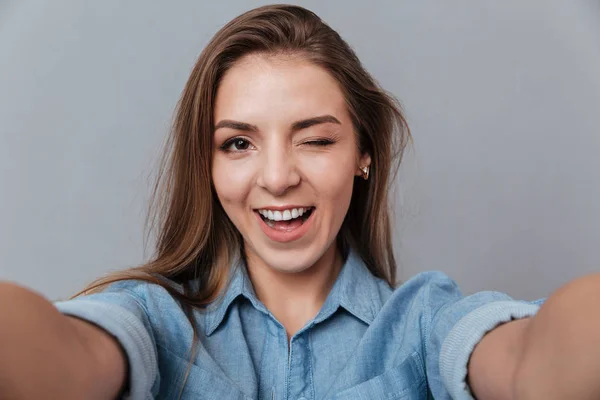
[(416, 301), (426, 286), (149, 302), (144, 292)]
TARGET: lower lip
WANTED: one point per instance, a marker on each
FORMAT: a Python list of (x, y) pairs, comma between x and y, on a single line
[(285, 236)]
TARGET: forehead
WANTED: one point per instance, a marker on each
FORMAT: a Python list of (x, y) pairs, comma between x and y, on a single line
[(258, 87)]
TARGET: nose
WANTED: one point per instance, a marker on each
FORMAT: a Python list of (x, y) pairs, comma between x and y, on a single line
[(278, 171)]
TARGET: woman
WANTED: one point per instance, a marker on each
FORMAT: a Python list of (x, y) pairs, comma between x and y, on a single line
[(274, 275)]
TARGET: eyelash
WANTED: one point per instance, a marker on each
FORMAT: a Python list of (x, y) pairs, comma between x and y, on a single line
[(229, 143), (226, 147), (320, 142)]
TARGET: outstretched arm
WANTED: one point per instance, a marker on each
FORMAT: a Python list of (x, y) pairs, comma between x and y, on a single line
[(44, 354), (553, 355)]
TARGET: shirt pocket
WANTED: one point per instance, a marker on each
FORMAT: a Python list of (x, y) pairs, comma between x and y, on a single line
[(202, 383), (404, 381)]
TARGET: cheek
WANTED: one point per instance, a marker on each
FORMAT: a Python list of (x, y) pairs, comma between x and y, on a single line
[(341, 194), (333, 179), (232, 183)]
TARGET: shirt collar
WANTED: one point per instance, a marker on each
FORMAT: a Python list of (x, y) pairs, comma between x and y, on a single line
[(239, 285), (355, 290)]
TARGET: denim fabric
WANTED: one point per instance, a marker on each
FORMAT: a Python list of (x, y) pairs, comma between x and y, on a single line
[(367, 342)]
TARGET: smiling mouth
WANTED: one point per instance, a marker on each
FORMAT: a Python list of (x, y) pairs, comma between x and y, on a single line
[(285, 220)]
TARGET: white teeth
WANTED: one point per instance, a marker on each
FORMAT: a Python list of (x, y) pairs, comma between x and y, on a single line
[(284, 215)]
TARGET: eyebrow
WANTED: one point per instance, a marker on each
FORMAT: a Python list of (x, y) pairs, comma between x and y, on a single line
[(296, 126), (240, 126), (307, 123)]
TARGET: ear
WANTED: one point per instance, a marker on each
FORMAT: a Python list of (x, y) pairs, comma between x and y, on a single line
[(363, 161)]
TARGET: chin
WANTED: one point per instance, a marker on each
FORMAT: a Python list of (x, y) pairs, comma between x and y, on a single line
[(293, 262), (290, 260)]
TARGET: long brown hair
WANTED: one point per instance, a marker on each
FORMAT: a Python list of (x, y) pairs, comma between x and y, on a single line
[(195, 240)]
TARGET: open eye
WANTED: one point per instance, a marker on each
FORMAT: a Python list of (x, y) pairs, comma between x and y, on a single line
[(236, 144)]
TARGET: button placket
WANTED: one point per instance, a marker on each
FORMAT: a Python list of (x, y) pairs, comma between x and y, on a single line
[(299, 368)]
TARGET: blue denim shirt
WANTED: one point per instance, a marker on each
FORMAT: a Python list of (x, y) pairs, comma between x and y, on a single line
[(368, 341)]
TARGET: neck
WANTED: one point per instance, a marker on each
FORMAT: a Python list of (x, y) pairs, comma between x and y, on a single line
[(295, 298)]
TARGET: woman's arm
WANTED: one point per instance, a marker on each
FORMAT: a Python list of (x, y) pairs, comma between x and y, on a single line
[(44, 354), (553, 355)]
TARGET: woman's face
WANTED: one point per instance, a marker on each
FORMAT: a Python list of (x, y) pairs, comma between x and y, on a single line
[(285, 158)]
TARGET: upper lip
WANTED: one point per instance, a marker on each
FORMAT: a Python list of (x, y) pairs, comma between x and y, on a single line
[(281, 208)]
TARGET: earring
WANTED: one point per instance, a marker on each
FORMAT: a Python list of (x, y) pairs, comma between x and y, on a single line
[(365, 173)]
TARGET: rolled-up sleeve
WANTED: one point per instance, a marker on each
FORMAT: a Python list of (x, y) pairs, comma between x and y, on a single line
[(120, 311), (456, 326)]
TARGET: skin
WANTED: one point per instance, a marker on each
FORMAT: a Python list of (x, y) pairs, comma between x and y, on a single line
[(552, 356), (48, 355), (265, 160)]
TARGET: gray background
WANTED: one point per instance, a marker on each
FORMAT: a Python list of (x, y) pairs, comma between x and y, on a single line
[(500, 190)]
